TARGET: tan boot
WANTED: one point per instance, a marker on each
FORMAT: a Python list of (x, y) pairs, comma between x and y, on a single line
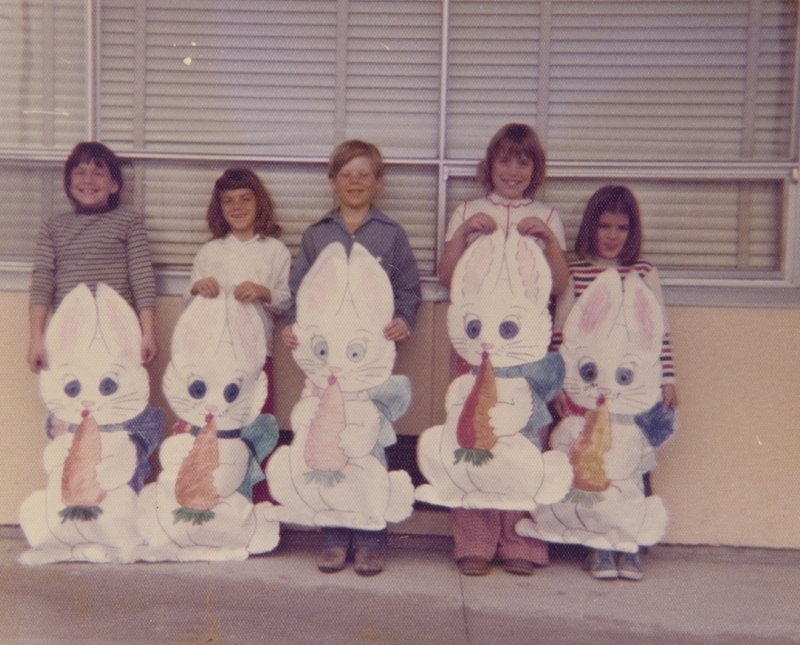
[(332, 559), (368, 562)]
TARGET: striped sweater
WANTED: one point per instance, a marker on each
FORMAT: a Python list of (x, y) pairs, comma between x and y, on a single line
[(582, 273), (109, 247)]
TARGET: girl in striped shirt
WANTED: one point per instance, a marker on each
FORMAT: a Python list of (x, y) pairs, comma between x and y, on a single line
[(610, 235)]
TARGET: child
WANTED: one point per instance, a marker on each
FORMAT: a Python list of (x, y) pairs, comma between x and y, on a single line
[(355, 172), (610, 235), (97, 242), (244, 256), (511, 172)]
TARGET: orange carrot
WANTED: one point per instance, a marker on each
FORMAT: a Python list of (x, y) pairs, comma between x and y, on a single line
[(79, 485), (587, 452), (322, 451), (194, 487), (474, 430)]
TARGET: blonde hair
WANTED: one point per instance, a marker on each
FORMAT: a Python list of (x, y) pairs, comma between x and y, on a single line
[(348, 150)]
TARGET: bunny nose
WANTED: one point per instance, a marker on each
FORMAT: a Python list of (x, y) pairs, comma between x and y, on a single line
[(87, 404), (486, 346), (334, 370)]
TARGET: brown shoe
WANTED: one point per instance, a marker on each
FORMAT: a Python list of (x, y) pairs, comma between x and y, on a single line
[(368, 562), (519, 567), (473, 565), (332, 559)]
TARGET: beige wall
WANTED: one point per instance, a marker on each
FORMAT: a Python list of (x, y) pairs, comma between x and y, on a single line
[(730, 476)]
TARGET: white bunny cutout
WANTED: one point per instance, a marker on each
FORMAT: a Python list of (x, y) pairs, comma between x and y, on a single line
[(487, 453), (102, 429), (612, 343), (201, 506), (334, 472)]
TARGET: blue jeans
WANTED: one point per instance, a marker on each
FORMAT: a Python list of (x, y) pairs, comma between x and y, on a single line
[(354, 538)]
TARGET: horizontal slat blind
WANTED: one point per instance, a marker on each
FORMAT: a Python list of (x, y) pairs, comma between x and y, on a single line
[(186, 84), (621, 80), (43, 75), (393, 75), (493, 74), (247, 78), (238, 77), (176, 196), (669, 79), (687, 225)]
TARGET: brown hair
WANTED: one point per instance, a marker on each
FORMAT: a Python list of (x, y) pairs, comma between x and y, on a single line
[(610, 199), (346, 151), (234, 179), (520, 140), (103, 157)]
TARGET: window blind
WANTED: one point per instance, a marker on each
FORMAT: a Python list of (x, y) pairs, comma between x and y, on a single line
[(43, 79), (660, 94)]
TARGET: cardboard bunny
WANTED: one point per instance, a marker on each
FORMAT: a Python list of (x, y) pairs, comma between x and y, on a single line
[(200, 508), (334, 472), (487, 454), (612, 343), (102, 431)]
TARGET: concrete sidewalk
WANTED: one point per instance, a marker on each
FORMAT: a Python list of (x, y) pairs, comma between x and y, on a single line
[(691, 595)]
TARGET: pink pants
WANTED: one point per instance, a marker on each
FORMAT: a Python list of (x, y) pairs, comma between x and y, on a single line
[(489, 532)]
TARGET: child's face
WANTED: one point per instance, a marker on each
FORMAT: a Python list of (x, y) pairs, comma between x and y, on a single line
[(239, 208), (612, 233), (356, 184), (91, 185), (511, 175)]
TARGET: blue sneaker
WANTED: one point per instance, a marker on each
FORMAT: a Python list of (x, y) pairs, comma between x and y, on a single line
[(630, 566), (601, 565)]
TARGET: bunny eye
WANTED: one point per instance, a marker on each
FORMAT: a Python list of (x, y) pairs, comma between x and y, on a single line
[(588, 371), (319, 346), (197, 389), (72, 387), (356, 351), (108, 385), (624, 375), (473, 328), (231, 392), (509, 329)]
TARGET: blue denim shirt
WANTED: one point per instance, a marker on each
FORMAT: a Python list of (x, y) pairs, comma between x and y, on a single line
[(384, 238)]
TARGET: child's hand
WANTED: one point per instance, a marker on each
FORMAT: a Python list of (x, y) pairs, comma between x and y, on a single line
[(396, 330), (479, 223), (289, 337), (252, 292), (206, 287), (149, 348), (37, 356), (670, 396), (537, 228)]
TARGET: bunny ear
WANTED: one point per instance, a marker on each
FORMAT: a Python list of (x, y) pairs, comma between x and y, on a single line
[(247, 332), (118, 324), (369, 285), (200, 327), (476, 264), (597, 308), (526, 259), (73, 325), (324, 284), (643, 314)]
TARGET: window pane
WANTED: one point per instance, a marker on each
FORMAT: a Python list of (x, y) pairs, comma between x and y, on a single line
[(43, 80)]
